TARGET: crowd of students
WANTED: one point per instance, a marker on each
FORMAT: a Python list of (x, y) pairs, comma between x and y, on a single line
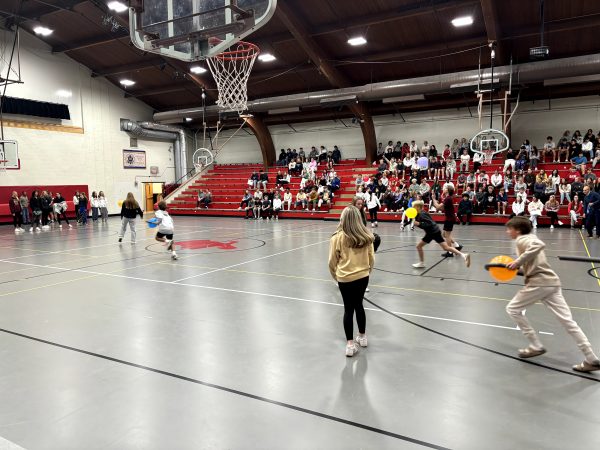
[(407, 172), (43, 208), (316, 189)]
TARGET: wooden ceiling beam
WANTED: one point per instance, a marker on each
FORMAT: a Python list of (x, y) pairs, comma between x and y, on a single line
[(555, 26), (291, 19), (140, 65), (157, 91), (92, 42)]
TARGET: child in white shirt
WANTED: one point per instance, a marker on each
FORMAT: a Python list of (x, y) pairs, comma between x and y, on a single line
[(165, 227)]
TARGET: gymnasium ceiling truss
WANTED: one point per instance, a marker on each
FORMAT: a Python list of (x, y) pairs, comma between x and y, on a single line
[(405, 39)]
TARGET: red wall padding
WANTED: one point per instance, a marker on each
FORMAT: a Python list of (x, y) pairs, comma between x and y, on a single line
[(67, 191)]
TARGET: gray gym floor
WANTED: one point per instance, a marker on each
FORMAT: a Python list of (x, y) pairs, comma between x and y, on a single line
[(116, 346)]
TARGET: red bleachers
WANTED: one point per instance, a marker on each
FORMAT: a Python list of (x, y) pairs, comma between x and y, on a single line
[(228, 182)]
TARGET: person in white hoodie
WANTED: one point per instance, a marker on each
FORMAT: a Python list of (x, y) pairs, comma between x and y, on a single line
[(373, 206), (535, 209), (518, 207), (103, 207)]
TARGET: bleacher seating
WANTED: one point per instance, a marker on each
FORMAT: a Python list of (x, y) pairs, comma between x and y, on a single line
[(228, 182)]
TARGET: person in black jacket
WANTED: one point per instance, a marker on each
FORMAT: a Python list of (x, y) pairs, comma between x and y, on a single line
[(129, 210), (46, 202), (16, 211), (465, 210), (60, 209), (263, 178), (36, 209)]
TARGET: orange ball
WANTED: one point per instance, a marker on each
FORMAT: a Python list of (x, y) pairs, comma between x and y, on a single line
[(501, 273)]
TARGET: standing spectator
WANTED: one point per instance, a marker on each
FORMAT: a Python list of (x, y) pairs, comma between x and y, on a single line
[(552, 206), (95, 207), (336, 155), (277, 206), (76, 205), (46, 203), (129, 210), (24, 200), (565, 191), (465, 210), (103, 205), (83, 208), (535, 209), (60, 209), (575, 210), (36, 211), (14, 204), (591, 211), (351, 259)]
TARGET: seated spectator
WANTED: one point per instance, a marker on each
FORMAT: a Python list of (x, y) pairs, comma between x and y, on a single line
[(282, 161), (301, 154), (520, 184), (535, 209), (508, 180), (382, 167), (324, 199), (301, 200), (313, 199), (479, 200), (534, 158), (407, 165), (509, 160), (450, 168), (539, 190), (424, 191), (563, 149), (277, 206), (470, 193), (579, 162), (575, 210), (589, 176), (249, 208), (423, 165), (565, 191), (465, 158), (287, 199), (253, 181), (207, 200), (455, 149), (336, 155), (245, 199), (465, 210), (596, 156), (322, 154), (574, 149), (292, 168), (335, 184), (587, 148), (263, 178), (552, 207), (258, 195), (550, 149), (265, 208), (483, 179), (521, 159), (472, 180), (490, 201), (414, 188), (577, 187), (359, 181), (448, 184), (550, 188), (200, 199), (522, 194), (502, 201), (478, 159), (518, 207), (446, 153), (314, 153), (530, 179), (435, 168), (461, 182)]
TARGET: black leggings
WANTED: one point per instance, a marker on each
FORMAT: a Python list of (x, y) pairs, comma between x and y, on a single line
[(553, 217), (373, 214), (45, 215), (17, 220), (352, 295), (64, 216)]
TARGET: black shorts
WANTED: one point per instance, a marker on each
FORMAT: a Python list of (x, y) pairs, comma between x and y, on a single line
[(448, 225), (437, 237), (161, 235)]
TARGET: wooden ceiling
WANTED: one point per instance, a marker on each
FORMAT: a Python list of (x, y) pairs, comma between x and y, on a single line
[(406, 38)]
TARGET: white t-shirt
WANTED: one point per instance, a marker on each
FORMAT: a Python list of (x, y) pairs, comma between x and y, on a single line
[(465, 158), (518, 208), (166, 225), (276, 203), (497, 179)]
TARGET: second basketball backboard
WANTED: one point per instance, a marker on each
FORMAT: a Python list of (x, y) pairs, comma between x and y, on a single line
[(191, 30)]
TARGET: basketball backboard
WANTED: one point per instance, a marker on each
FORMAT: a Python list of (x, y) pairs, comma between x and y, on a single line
[(9, 155), (191, 30)]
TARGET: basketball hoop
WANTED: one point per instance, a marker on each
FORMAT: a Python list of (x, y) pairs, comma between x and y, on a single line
[(488, 143), (231, 70), (202, 158)]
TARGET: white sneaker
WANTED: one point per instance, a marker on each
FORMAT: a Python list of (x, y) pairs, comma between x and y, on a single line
[(174, 256), (70, 226), (31, 230), (419, 265), (352, 349), (372, 225), (361, 340), (60, 225), (38, 230), (367, 290), (560, 224), (552, 227)]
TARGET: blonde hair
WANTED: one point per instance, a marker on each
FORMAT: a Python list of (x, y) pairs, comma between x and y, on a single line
[(130, 202), (355, 232), (418, 205)]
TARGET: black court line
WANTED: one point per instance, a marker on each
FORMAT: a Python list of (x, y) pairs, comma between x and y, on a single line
[(481, 347), (432, 267), (232, 391)]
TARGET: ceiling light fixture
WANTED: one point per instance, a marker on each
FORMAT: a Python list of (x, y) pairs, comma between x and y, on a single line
[(359, 40), (266, 57), (127, 83), (197, 69), (42, 31), (188, 119), (117, 6), (64, 93), (462, 21)]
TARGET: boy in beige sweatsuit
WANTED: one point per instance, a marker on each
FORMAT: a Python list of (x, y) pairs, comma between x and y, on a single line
[(541, 284)]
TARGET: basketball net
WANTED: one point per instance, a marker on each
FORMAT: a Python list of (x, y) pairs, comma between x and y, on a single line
[(231, 70)]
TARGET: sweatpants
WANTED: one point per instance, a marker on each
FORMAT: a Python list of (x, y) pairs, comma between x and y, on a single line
[(352, 295), (124, 222), (552, 297)]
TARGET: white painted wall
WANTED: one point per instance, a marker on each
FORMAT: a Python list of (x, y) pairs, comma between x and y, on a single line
[(533, 121), (93, 158)]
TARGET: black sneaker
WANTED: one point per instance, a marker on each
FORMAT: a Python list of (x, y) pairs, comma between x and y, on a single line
[(120, 239), (459, 248), (448, 255)]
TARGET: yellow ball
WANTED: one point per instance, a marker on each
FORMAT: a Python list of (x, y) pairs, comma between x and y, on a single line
[(501, 273), (120, 203), (411, 213)]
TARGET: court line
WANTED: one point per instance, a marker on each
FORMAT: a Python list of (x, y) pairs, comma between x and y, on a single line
[(480, 347), (250, 261), (230, 391), (589, 256), (262, 294)]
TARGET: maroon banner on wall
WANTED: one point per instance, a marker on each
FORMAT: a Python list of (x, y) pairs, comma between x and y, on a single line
[(66, 190)]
